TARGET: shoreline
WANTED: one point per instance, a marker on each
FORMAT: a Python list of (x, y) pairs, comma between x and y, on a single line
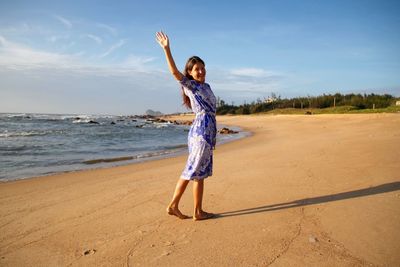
[(104, 163), (322, 186)]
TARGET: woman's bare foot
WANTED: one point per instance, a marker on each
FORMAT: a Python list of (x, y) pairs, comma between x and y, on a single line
[(176, 212), (202, 215)]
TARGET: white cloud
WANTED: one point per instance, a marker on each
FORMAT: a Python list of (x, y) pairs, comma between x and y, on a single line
[(113, 48), (51, 81), (17, 56), (21, 57), (95, 91), (245, 83), (64, 21), (247, 79), (252, 72), (135, 69), (108, 28), (95, 38), (3, 41), (137, 61), (56, 38), (23, 28)]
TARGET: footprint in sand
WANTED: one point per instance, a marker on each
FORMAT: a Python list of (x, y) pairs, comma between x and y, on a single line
[(169, 243), (89, 252), (166, 253)]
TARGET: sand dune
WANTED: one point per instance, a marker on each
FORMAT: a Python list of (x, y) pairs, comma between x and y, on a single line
[(301, 191)]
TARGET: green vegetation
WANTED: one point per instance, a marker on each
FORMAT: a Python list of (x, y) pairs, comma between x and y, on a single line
[(325, 104)]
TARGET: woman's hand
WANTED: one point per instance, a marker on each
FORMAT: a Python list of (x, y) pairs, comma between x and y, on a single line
[(162, 39)]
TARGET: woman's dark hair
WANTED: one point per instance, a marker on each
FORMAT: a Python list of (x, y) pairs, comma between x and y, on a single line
[(188, 67)]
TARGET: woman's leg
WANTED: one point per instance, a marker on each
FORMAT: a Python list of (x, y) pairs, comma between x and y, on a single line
[(198, 190), (173, 207)]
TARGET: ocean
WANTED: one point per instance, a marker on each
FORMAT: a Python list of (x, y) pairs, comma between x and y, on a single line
[(42, 144)]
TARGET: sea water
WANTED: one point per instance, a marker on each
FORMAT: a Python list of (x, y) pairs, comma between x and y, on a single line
[(42, 144)]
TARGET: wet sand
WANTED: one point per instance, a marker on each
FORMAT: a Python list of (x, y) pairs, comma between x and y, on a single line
[(319, 190)]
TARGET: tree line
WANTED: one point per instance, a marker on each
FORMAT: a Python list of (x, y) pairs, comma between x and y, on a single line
[(357, 101)]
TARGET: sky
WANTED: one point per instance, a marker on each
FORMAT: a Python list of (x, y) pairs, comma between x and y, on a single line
[(101, 57)]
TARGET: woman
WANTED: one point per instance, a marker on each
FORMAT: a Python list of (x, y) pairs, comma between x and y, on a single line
[(198, 96)]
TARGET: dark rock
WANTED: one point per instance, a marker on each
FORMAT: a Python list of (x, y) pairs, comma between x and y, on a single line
[(227, 131), (182, 122), (112, 122), (143, 117), (93, 122), (158, 120)]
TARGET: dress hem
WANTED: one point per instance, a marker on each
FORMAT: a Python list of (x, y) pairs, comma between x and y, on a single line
[(195, 178)]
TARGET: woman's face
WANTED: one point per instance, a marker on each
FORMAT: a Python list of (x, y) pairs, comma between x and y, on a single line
[(198, 72)]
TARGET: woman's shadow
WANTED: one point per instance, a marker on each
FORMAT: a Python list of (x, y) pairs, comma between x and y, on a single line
[(384, 188)]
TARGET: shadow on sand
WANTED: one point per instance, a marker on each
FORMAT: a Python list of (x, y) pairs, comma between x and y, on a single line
[(384, 188)]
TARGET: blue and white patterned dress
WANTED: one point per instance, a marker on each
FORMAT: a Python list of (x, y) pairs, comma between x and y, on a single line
[(202, 134)]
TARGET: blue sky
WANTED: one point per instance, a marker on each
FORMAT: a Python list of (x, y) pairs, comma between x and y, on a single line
[(100, 57)]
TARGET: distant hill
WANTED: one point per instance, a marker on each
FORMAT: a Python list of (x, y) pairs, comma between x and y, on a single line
[(153, 113)]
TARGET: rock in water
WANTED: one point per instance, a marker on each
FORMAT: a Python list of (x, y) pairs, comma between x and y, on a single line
[(227, 131)]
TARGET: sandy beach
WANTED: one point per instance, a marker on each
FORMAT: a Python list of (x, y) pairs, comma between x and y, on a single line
[(320, 190)]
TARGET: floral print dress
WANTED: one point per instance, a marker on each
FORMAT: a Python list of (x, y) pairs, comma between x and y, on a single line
[(202, 134)]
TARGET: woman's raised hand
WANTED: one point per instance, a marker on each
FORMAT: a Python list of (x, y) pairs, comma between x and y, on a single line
[(162, 39)]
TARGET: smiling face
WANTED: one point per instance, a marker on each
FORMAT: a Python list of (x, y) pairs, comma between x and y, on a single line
[(198, 72)]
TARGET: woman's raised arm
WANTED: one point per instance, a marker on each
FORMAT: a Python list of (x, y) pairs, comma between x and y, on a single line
[(163, 41)]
